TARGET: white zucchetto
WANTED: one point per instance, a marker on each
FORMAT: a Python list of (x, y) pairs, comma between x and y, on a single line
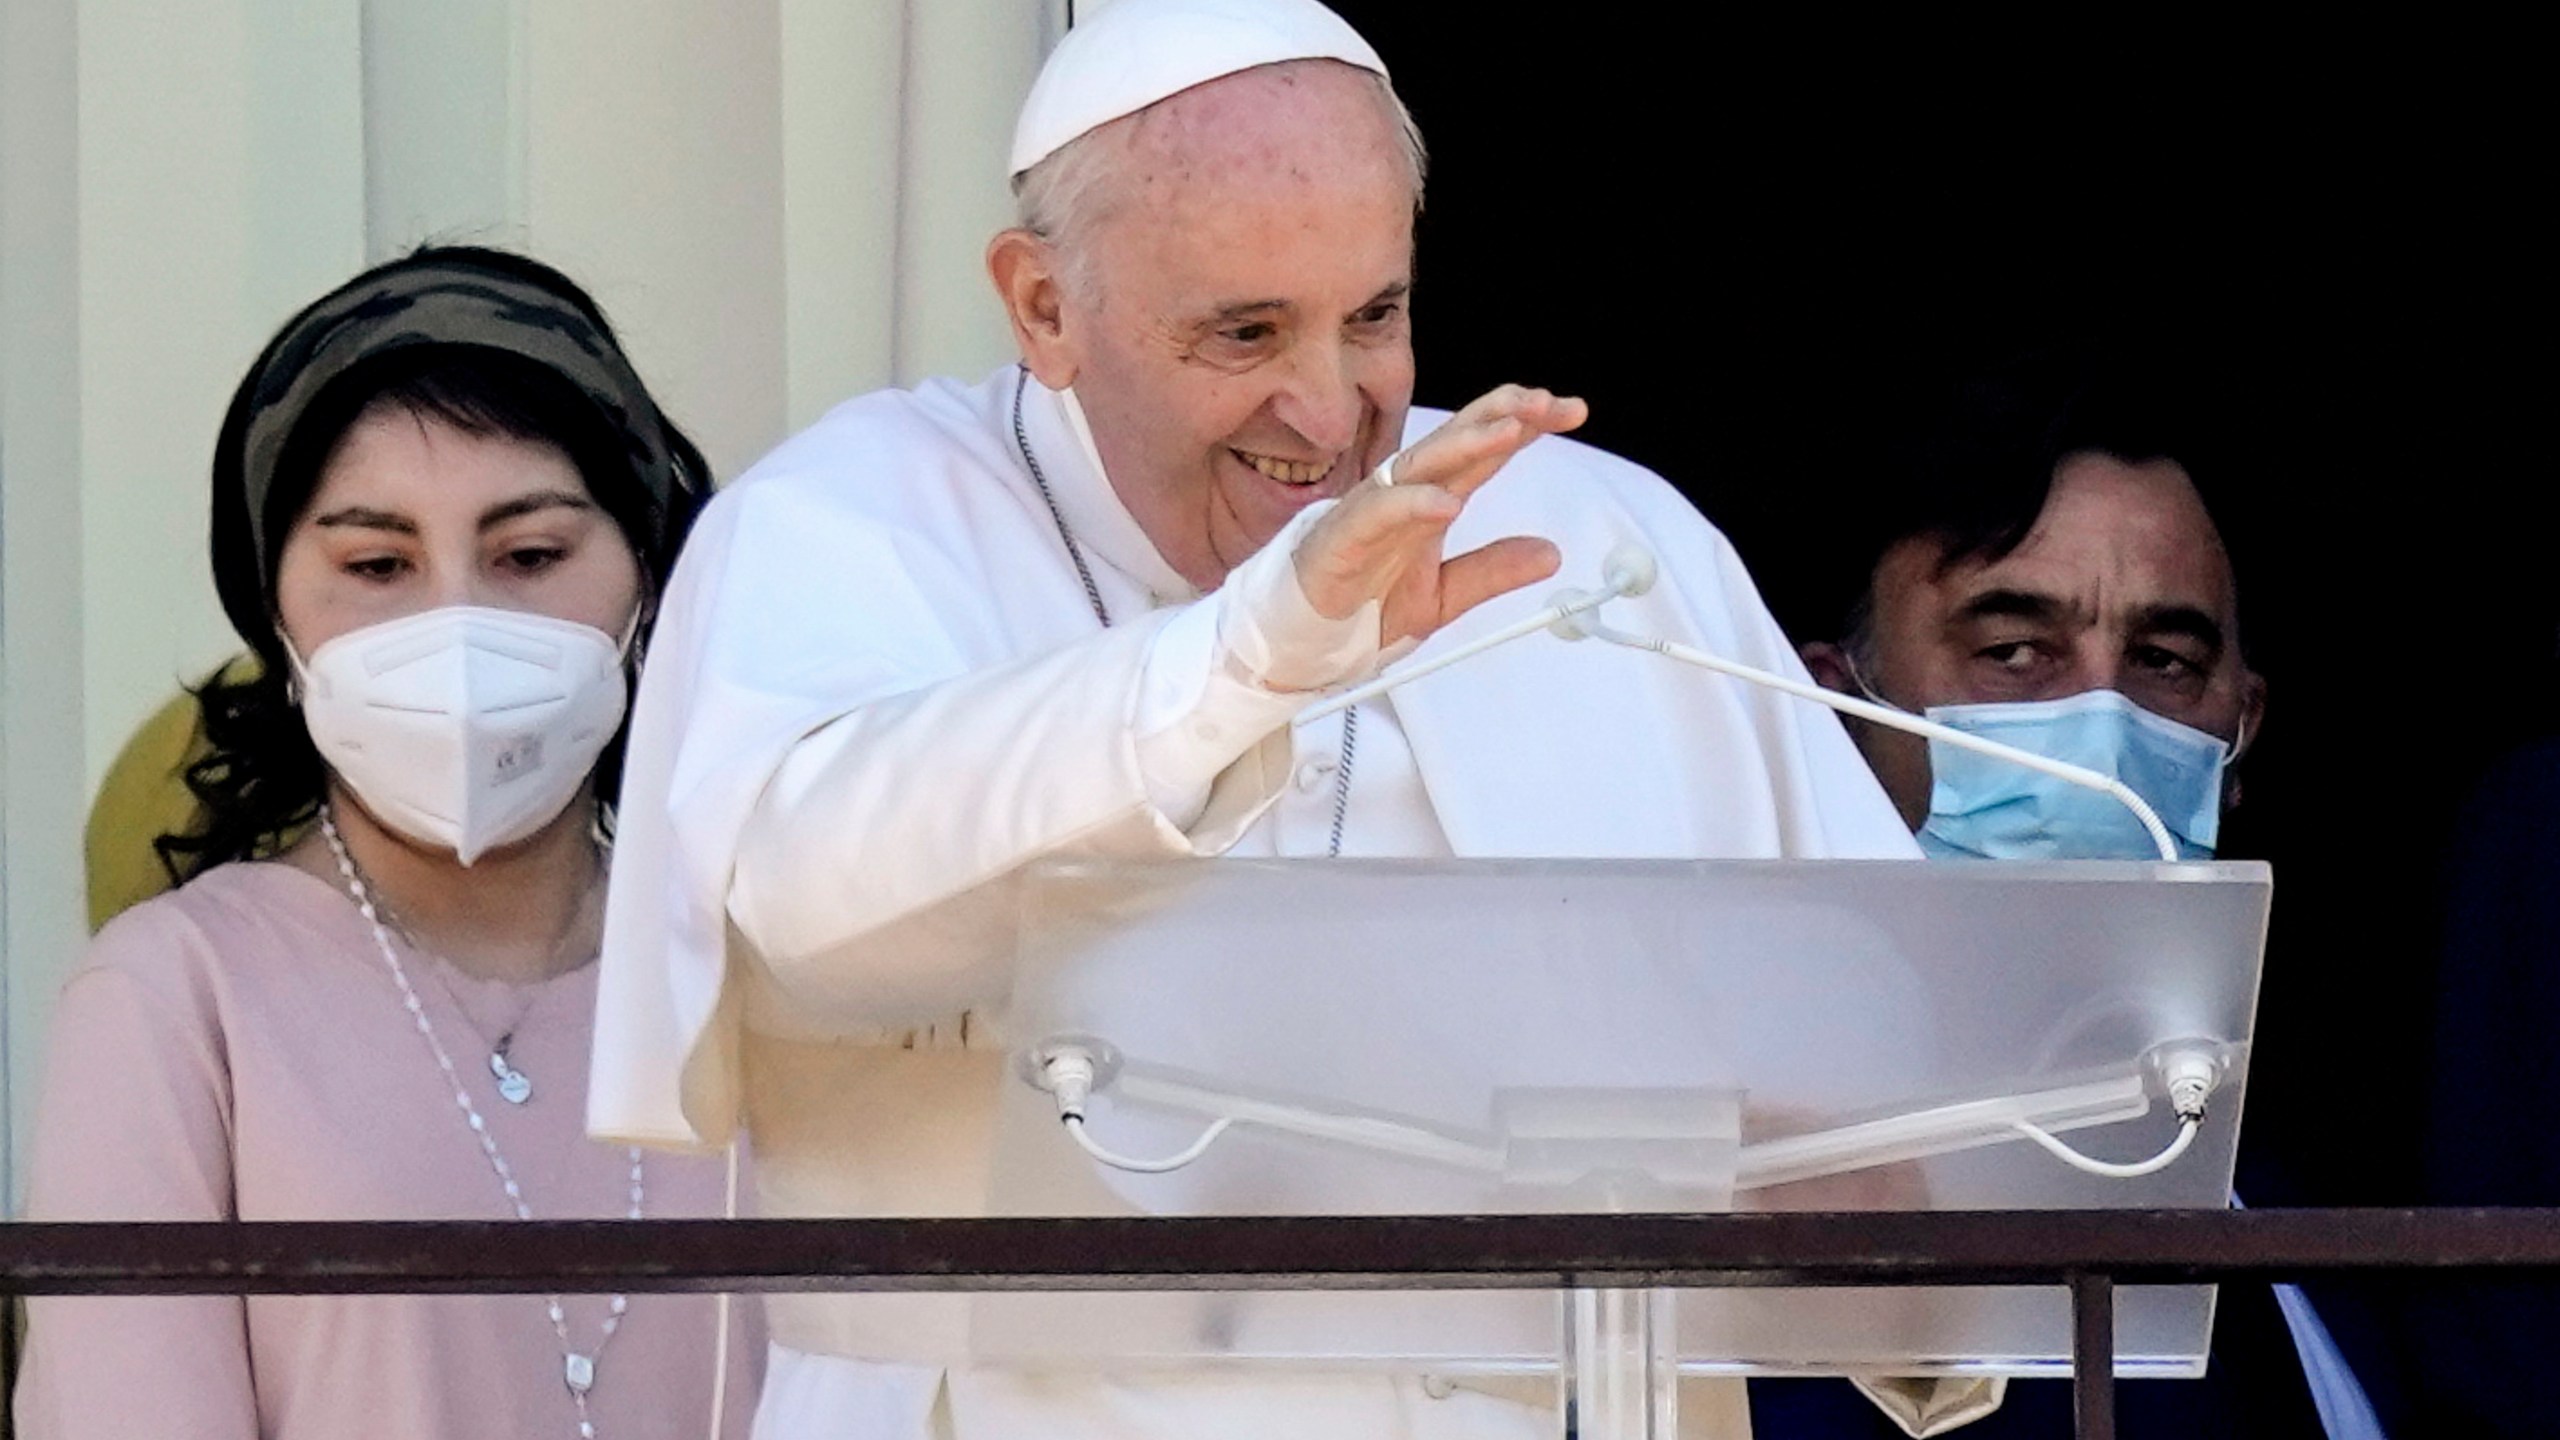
[(1137, 52)]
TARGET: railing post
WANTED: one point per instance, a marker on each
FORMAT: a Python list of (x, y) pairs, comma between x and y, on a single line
[(2093, 1355)]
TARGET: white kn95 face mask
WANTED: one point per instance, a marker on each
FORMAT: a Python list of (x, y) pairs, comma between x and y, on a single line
[(464, 727)]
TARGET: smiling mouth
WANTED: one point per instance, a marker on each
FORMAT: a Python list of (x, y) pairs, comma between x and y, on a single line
[(1298, 473)]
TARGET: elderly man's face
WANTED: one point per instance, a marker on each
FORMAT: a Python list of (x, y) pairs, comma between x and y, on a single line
[(1240, 340), (2122, 585)]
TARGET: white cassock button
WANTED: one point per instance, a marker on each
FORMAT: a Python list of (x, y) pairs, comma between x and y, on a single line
[(1439, 1387), (1312, 775), (1205, 730)]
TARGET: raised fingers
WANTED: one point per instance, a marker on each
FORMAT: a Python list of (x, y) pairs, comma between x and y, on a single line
[(1472, 445), (1359, 550), (1541, 410), (1469, 580)]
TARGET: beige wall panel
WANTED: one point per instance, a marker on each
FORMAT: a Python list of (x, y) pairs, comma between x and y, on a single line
[(220, 187), (41, 736), (969, 63), (444, 122), (843, 95), (654, 176)]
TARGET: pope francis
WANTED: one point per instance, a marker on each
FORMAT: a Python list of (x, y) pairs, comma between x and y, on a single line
[(1071, 610)]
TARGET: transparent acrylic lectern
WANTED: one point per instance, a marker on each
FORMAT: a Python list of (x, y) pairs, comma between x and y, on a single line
[(1427, 1037)]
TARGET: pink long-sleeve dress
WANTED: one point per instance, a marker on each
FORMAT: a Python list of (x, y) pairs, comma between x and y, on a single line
[(237, 1049)]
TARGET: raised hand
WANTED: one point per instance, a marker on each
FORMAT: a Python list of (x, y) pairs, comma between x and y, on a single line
[(1386, 543)]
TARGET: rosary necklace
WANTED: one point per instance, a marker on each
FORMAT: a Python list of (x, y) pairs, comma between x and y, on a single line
[(514, 1086), (1093, 596), (577, 1367)]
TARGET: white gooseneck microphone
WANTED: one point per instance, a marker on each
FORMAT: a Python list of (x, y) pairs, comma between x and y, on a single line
[(1630, 569)]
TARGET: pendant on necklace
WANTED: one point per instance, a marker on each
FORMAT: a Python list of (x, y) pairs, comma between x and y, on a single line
[(580, 1372), (513, 1087)]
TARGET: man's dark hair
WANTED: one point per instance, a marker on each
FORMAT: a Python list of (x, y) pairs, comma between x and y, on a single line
[(1975, 482)]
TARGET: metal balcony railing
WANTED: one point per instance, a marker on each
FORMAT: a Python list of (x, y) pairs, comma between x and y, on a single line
[(2089, 1251)]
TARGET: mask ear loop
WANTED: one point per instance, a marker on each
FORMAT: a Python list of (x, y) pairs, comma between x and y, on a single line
[(1869, 691), (628, 648), (2228, 791), (628, 653), (296, 672)]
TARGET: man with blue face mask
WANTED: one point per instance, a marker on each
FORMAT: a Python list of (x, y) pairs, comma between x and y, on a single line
[(2056, 581), (2059, 587)]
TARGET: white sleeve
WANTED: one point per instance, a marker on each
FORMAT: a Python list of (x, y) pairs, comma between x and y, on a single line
[(1230, 670), (867, 877)]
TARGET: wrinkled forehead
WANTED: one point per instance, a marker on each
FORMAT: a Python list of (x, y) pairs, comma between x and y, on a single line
[(1297, 127)]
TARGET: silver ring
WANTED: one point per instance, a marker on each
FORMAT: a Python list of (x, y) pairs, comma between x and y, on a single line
[(1384, 477)]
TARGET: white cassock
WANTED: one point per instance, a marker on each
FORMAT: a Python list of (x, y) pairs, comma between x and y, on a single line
[(878, 688)]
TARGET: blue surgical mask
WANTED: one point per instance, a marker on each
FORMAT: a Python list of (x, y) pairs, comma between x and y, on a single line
[(1984, 807)]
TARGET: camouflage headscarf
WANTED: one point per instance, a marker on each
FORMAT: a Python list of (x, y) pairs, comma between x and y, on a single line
[(453, 298)]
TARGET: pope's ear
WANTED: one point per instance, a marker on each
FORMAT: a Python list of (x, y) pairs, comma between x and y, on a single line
[(1025, 269)]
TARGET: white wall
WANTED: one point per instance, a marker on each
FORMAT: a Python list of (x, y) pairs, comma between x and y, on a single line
[(897, 119), (220, 186), (444, 123), (654, 176), (842, 135), (968, 64), (780, 202), (41, 703)]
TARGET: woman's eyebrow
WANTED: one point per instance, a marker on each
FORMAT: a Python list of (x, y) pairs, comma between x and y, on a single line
[(365, 517), (522, 505)]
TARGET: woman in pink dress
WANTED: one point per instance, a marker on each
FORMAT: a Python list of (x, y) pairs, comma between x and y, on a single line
[(443, 505)]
